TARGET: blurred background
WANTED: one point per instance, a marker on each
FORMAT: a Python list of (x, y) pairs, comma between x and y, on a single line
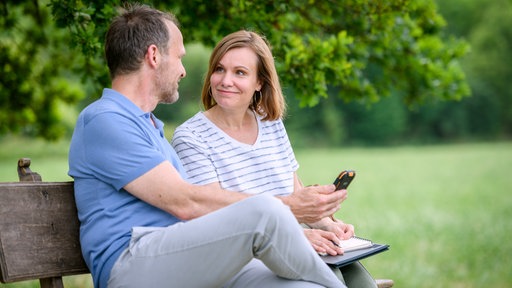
[(416, 96)]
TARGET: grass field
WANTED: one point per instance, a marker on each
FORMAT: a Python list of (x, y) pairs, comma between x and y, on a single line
[(445, 210)]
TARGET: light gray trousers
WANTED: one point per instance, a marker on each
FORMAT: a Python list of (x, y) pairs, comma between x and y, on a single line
[(217, 250)]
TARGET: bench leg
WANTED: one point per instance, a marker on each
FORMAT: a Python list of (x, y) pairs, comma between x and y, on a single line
[(54, 282)]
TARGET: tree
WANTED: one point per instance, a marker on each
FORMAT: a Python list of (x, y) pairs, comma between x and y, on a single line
[(367, 49), (488, 113), (489, 67), (35, 64)]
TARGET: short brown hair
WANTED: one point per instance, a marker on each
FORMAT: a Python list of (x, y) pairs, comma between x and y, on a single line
[(272, 105), (131, 33)]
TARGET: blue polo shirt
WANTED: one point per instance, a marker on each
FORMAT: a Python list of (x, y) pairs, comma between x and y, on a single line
[(114, 143)]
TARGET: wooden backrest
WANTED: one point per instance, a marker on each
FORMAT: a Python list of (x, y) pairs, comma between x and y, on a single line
[(39, 230)]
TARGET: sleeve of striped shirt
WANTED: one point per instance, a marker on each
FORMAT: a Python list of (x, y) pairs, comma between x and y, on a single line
[(291, 155), (193, 153)]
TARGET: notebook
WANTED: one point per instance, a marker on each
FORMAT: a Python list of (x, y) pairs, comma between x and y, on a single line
[(355, 243), (355, 249)]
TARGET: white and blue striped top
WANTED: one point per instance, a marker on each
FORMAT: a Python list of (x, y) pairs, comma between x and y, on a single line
[(210, 155)]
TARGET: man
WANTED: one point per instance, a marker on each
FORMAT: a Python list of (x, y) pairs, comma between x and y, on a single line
[(142, 223)]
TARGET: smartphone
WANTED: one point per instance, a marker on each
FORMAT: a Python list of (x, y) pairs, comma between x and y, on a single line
[(344, 179)]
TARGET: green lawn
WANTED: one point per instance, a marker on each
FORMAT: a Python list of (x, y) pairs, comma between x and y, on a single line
[(445, 210)]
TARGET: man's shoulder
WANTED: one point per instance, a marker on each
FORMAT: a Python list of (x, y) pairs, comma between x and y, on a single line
[(104, 106)]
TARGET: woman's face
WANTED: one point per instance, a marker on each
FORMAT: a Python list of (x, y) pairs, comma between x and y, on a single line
[(235, 79)]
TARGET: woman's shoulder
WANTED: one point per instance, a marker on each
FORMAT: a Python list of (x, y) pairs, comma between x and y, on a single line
[(271, 124), (196, 129), (192, 123)]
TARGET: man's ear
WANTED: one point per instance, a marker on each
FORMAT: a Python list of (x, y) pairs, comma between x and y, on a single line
[(153, 56)]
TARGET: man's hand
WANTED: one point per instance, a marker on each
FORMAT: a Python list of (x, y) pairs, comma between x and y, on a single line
[(312, 203)]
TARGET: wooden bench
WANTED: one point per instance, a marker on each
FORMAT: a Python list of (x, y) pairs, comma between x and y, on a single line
[(39, 231)]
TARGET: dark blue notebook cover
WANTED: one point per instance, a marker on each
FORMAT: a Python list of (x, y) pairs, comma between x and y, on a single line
[(356, 255)]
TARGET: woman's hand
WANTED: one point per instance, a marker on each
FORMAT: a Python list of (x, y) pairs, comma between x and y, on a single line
[(342, 230), (336, 226), (323, 241)]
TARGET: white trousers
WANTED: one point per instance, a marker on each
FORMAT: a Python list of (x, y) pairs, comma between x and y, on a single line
[(218, 250)]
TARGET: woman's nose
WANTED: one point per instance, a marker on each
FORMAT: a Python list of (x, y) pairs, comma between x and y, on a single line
[(227, 79)]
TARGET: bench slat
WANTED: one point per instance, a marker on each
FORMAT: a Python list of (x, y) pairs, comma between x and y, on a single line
[(39, 231)]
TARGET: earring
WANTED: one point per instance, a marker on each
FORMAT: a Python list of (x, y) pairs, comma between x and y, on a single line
[(256, 100), (212, 100)]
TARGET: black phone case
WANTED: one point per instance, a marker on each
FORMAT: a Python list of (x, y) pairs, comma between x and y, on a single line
[(344, 179)]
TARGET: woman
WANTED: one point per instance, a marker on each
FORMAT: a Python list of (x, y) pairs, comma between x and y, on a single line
[(240, 143)]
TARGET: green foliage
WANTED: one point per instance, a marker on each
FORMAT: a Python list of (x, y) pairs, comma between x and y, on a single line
[(382, 123), (485, 115), (364, 47), (87, 22), (335, 122), (316, 43), (34, 63), (489, 64), (329, 54), (486, 26)]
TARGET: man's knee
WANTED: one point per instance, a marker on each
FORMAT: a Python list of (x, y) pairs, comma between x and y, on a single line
[(267, 213), (268, 205)]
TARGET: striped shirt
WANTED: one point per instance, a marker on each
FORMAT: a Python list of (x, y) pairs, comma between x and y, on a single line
[(210, 155)]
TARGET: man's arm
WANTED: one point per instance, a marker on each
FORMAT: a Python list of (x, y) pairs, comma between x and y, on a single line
[(164, 188)]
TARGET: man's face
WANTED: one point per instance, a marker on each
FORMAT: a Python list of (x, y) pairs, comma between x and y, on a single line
[(171, 69)]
